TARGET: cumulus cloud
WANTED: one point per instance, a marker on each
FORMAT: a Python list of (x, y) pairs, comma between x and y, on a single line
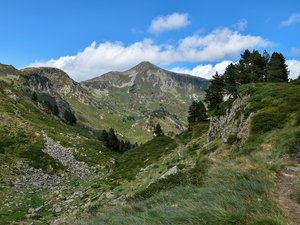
[(96, 59), (170, 22), (294, 18), (204, 71), (294, 68)]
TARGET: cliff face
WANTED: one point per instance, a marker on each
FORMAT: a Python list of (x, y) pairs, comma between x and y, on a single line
[(47, 96), (233, 125), (61, 82)]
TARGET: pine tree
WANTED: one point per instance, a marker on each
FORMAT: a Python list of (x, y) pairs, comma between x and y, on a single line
[(244, 68), (34, 96), (197, 112), (277, 69), (69, 117), (231, 79), (104, 138), (215, 92), (258, 67), (158, 131), (113, 141)]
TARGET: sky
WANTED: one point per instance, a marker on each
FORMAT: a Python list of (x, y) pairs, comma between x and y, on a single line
[(87, 38)]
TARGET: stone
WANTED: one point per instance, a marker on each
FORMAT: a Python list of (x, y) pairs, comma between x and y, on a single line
[(57, 210), (172, 171), (109, 195)]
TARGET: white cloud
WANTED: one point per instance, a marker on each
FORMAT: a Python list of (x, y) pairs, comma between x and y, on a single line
[(170, 22), (204, 71), (241, 25), (97, 59), (294, 68), (294, 18)]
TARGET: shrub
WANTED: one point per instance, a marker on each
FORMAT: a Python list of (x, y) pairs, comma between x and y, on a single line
[(266, 121), (232, 139)]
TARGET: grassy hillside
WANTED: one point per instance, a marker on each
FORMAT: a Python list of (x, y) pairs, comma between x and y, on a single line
[(21, 143), (224, 181), (229, 183)]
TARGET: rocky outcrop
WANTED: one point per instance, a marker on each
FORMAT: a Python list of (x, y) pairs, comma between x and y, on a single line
[(172, 171), (65, 157), (32, 178), (233, 122), (62, 82), (47, 94)]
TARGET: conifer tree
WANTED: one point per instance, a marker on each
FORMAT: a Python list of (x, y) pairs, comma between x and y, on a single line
[(158, 131), (215, 92), (197, 112), (277, 69)]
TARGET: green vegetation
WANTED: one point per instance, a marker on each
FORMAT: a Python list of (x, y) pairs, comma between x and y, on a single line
[(251, 68), (193, 176), (158, 131), (217, 182), (235, 187), (131, 161), (297, 188), (197, 113), (110, 140)]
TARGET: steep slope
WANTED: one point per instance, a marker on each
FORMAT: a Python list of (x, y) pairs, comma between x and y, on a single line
[(61, 82), (43, 159)]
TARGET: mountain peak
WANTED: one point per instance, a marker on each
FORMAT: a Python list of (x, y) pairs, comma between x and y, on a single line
[(144, 66)]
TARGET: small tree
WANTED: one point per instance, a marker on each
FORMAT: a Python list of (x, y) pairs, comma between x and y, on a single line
[(34, 96), (231, 79), (197, 112), (69, 117), (113, 141), (277, 69), (215, 92), (104, 138), (158, 131)]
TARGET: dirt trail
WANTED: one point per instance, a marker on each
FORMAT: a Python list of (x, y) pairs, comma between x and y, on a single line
[(284, 190)]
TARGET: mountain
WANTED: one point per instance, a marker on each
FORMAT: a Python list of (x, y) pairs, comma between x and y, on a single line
[(145, 95), (146, 87), (131, 102)]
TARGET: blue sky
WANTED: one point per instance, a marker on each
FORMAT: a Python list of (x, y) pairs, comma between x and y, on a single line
[(88, 38)]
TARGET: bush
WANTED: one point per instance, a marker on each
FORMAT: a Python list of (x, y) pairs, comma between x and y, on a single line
[(265, 121), (232, 139)]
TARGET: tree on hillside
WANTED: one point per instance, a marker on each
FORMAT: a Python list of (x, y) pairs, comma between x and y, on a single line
[(104, 138), (113, 141), (197, 112), (158, 131), (34, 96), (69, 117), (258, 67), (277, 69), (252, 67), (215, 92), (230, 77), (110, 140), (244, 67)]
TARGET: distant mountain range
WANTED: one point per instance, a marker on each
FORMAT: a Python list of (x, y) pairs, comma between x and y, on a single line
[(131, 102)]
